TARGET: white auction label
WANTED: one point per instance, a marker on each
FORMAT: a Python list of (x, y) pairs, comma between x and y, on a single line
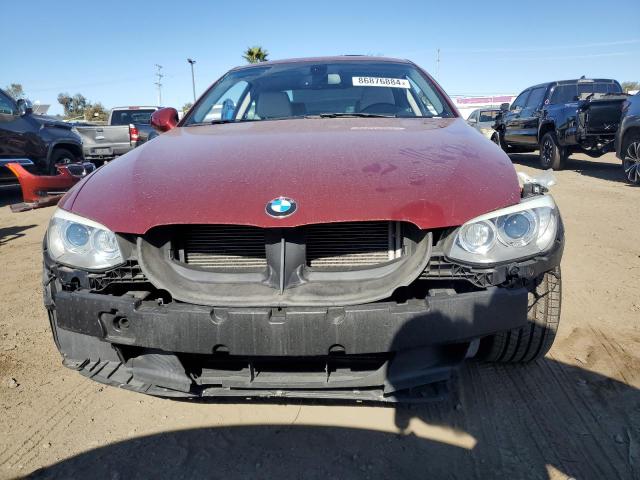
[(380, 82)]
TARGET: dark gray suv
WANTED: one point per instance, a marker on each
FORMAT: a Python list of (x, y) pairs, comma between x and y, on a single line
[(37, 142)]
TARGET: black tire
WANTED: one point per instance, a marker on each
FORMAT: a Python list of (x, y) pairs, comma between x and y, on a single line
[(631, 158), (499, 139), (534, 340), (552, 155), (61, 156)]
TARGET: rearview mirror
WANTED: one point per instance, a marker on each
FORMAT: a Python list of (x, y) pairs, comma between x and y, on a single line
[(164, 119), (25, 107), (504, 107)]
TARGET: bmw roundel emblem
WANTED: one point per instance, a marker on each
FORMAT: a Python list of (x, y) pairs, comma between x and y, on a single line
[(281, 207)]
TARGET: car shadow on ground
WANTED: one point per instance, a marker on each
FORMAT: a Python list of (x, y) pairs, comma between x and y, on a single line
[(500, 422), (591, 168), (7, 234)]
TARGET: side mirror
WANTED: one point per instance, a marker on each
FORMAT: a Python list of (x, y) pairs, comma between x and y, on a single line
[(25, 107), (164, 119), (472, 120), (504, 107)]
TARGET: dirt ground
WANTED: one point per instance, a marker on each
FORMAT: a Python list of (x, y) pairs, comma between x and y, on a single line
[(574, 414)]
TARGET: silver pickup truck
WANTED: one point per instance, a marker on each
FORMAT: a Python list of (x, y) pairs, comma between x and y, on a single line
[(126, 128)]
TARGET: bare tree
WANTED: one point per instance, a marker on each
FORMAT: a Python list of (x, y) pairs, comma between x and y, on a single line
[(15, 91), (629, 86)]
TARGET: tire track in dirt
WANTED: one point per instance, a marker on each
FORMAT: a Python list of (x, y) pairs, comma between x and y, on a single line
[(38, 429)]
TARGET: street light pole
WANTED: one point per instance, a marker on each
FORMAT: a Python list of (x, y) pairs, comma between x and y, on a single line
[(193, 78)]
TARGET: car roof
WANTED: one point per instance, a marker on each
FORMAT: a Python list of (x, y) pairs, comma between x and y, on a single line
[(570, 82), (334, 59), (135, 107)]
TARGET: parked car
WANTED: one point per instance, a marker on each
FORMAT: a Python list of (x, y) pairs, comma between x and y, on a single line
[(127, 128), (483, 120), (37, 142), (322, 228), (560, 118), (628, 139)]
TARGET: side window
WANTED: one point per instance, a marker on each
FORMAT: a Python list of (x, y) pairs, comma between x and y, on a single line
[(564, 94), (7, 106), (474, 115), (429, 99), (520, 101), (225, 107), (535, 99)]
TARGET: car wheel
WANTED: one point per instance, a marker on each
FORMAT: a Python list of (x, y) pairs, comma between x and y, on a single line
[(61, 156), (552, 155), (631, 159), (534, 340)]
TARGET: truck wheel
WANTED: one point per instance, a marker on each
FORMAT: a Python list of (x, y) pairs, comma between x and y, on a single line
[(552, 155), (631, 158), (61, 156), (499, 139), (534, 340)]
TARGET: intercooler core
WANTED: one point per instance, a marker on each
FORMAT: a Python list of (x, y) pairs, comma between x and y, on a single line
[(328, 246)]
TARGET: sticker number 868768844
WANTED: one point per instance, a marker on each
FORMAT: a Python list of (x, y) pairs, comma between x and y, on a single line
[(380, 82)]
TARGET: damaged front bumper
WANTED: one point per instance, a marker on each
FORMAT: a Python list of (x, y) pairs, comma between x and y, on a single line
[(399, 349), (379, 351)]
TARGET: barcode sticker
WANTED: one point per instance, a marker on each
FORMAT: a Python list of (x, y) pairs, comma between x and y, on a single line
[(380, 82)]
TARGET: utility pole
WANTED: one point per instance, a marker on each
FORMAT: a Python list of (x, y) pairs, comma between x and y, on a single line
[(438, 64), (193, 78), (159, 83)]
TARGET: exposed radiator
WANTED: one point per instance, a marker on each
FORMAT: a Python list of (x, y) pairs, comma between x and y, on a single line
[(225, 247), (353, 244), (334, 246)]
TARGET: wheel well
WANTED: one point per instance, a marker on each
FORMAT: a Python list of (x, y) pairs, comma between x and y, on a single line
[(75, 149), (547, 127), (630, 132)]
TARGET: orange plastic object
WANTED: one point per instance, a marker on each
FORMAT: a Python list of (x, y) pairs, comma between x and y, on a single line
[(44, 190)]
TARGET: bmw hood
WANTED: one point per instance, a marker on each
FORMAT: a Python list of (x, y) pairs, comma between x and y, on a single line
[(286, 173)]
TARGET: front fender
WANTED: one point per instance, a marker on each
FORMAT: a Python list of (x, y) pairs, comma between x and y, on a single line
[(71, 144)]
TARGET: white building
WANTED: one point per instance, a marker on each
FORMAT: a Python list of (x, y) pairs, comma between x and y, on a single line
[(466, 105)]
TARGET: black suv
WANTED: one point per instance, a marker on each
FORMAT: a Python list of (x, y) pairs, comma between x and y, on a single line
[(37, 142), (560, 118), (628, 139)]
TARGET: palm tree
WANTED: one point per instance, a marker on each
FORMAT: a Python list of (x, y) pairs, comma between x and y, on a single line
[(255, 55)]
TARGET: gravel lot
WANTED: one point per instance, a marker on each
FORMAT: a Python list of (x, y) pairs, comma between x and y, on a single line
[(574, 414)]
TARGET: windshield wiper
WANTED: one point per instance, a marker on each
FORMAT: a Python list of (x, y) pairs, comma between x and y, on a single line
[(350, 115)]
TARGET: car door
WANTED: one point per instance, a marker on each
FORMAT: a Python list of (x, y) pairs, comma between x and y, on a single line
[(530, 116), (512, 122), (18, 139)]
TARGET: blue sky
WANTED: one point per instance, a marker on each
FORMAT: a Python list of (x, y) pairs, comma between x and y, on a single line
[(107, 49)]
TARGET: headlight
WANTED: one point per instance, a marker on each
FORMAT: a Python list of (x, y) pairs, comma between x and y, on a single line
[(80, 242), (522, 230)]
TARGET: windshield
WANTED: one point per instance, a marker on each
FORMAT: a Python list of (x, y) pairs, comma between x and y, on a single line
[(294, 90), (488, 115), (125, 117)]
